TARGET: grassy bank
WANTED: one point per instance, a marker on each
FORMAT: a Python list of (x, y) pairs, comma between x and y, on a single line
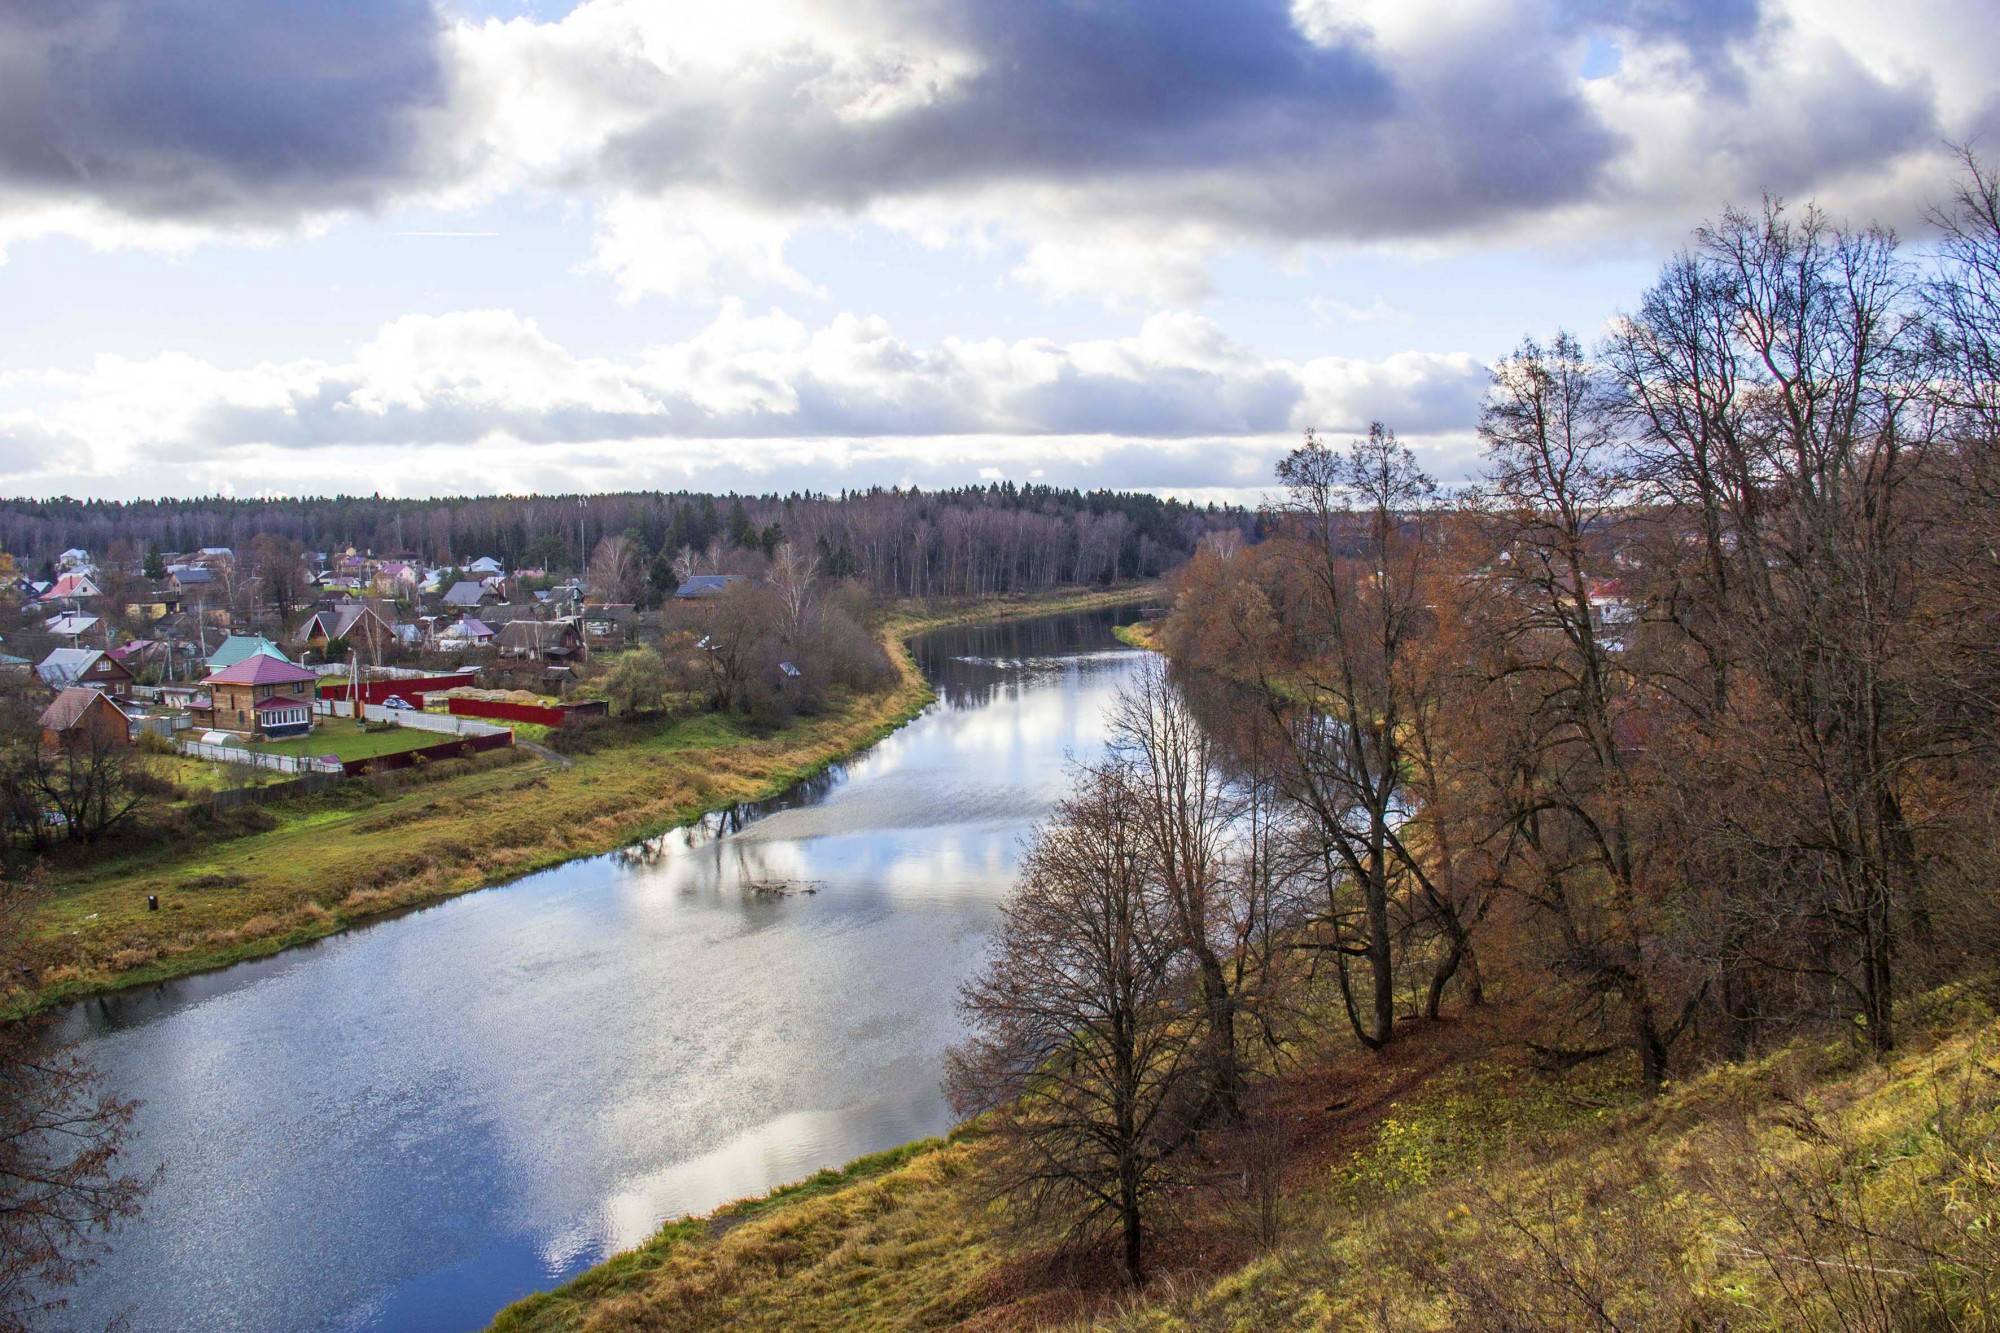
[(1444, 1185), (375, 847), (1140, 634)]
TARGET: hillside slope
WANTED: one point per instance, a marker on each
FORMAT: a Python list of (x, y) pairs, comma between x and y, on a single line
[(1444, 1186)]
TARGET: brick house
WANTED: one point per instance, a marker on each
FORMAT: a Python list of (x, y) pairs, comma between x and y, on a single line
[(260, 696)]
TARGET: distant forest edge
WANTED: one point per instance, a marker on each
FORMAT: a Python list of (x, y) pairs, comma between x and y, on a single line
[(973, 540)]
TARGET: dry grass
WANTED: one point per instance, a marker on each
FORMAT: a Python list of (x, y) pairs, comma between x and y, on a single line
[(388, 844), (1444, 1187)]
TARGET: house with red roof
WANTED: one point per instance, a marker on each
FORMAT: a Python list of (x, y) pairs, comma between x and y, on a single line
[(260, 696)]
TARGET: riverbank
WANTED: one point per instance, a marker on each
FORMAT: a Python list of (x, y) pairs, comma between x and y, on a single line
[(1444, 1183), (366, 850)]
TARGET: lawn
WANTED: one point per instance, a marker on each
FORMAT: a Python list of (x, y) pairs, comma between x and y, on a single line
[(343, 737)]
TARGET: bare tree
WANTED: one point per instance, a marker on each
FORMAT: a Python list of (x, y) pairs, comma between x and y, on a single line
[(793, 570), (1359, 522), (1080, 1048), (615, 572), (281, 577), (1587, 855), (1204, 852)]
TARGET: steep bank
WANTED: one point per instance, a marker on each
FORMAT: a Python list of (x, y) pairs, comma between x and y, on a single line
[(1445, 1185), (365, 850)]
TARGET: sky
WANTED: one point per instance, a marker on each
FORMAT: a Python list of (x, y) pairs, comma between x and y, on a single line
[(423, 247)]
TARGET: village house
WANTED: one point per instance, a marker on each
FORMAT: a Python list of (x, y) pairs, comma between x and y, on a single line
[(72, 587), (153, 604), (235, 647), (607, 624), (260, 696), (80, 718), (539, 640), (356, 622), (486, 567), (466, 595), (74, 558), (72, 625), (469, 632), (82, 666), (191, 579)]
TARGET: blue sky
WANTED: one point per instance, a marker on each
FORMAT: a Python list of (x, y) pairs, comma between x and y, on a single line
[(392, 245)]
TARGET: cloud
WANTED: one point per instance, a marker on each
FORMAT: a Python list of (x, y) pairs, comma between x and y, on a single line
[(1174, 404), (228, 112), (1114, 149)]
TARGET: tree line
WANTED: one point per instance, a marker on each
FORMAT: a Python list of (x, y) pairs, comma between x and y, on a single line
[(974, 540), (1681, 719)]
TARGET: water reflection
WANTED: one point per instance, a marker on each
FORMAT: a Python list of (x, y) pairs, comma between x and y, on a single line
[(409, 1125)]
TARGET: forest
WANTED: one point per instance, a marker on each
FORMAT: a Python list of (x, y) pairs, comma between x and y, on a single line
[(978, 540)]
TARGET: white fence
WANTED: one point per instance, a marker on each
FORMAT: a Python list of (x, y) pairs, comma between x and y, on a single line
[(283, 763), (410, 717), (454, 726)]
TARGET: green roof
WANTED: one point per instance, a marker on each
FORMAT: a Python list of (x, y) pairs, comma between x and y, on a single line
[(239, 646)]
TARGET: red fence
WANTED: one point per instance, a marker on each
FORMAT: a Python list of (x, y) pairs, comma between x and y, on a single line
[(412, 690), (541, 713), (452, 749)]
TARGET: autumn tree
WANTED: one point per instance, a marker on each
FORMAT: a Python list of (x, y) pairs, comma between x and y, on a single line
[(1589, 854), (1205, 857), (1359, 525), (1080, 1048), (638, 683)]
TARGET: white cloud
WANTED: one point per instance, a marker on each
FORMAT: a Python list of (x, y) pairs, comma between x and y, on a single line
[(441, 397)]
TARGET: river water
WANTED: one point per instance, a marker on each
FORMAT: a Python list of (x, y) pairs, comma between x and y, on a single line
[(409, 1125)]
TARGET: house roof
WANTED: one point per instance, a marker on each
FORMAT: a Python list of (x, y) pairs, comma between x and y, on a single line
[(472, 627), (338, 622), (236, 647), (280, 701), (71, 623), (70, 706), (533, 633), (67, 664), (706, 585), (258, 669), (465, 593), (194, 574), (71, 585), (485, 564)]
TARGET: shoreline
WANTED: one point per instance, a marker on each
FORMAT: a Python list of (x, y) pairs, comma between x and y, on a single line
[(710, 765)]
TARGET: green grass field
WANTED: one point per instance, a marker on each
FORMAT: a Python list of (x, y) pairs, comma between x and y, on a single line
[(343, 738)]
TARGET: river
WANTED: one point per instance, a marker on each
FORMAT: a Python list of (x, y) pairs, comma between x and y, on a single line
[(409, 1125)]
